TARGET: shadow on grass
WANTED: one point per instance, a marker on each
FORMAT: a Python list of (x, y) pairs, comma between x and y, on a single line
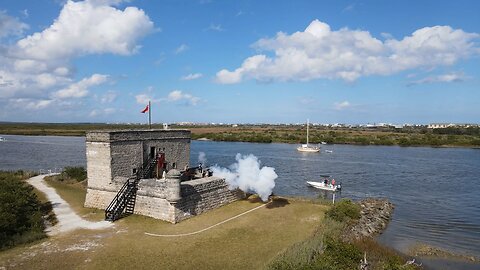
[(277, 202)]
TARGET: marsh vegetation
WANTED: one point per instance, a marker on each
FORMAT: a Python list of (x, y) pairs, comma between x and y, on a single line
[(407, 136)]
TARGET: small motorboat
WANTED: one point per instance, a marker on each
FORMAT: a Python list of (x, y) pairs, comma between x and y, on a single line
[(321, 185), (328, 151), (325, 184), (2, 139)]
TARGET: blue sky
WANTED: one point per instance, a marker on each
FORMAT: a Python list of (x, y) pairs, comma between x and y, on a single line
[(240, 61)]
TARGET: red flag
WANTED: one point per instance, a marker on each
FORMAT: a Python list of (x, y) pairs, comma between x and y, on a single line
[(145, 110)]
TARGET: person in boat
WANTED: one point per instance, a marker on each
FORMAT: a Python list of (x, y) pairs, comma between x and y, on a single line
[(325, 181), (333, 182)]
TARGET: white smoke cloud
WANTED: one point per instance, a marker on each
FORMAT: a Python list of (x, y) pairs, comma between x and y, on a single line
[(202, 158), (247, 175)]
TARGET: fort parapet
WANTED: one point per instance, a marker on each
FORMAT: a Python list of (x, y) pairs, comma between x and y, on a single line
[(114, 157)]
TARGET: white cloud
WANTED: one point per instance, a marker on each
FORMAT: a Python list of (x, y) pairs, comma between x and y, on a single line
[(444, 78), (25, 13), (216, 27), (191, 76), (350, 7), (80, 89), (102, 112), (30, 104), (386, 35), (318, 52), (306, 100), (181, 48), (87, 28), (229, 77), (178, 95), (142, 99), (341, 105), (249, 66), (10, 25), (107, 2), (40, 65), (109, 110), (108, 97), (94, 113), (451, 77)]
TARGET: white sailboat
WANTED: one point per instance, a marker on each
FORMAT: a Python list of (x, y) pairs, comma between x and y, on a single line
[(308, 148)]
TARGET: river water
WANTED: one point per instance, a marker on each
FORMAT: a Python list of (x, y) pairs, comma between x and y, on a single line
[(436, 191)]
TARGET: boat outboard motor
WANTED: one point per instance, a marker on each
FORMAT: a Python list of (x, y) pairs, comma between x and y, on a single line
[(339, 186)]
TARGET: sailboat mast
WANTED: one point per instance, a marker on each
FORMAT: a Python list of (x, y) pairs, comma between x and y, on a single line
[(307, 131)]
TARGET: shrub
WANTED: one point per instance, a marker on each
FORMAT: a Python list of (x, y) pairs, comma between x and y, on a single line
[(77, 173), (344, 210), (339, 255), (20, 214)]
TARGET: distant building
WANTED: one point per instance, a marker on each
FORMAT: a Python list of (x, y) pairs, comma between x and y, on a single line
[(440, 125)]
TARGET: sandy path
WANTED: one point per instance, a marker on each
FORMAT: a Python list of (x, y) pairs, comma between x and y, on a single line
[(67, 219)]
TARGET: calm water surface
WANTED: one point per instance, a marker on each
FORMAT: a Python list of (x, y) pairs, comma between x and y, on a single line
[(436, 191)]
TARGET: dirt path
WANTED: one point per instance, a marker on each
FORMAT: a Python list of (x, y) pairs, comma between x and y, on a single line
[(67, 219)]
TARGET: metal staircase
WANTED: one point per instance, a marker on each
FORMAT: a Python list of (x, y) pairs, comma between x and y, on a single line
[(123, 203), (146, 171)]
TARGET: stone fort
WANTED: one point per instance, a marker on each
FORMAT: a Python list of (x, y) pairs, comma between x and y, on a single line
[(147, 172)]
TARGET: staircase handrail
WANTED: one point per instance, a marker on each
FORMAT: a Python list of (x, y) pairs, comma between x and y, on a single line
[(146, 166), (121, 192), (119, 202)]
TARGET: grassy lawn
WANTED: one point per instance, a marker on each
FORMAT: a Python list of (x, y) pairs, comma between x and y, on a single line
[(74, 193), (248, 242)]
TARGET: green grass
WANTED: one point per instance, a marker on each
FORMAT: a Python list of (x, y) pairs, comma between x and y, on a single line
[(248, 242), (74, 193)]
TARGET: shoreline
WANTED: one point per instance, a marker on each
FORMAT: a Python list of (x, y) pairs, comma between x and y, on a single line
[(353, 144), (376, 213), (204, 139), (415, 136)]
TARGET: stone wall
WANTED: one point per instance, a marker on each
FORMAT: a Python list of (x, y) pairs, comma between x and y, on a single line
[(126, 156), (155, 207), (201, 195), (99, 199), (98, 164), (198, 196)]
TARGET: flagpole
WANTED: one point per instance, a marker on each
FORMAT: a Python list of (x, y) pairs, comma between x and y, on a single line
[(149, 115)]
